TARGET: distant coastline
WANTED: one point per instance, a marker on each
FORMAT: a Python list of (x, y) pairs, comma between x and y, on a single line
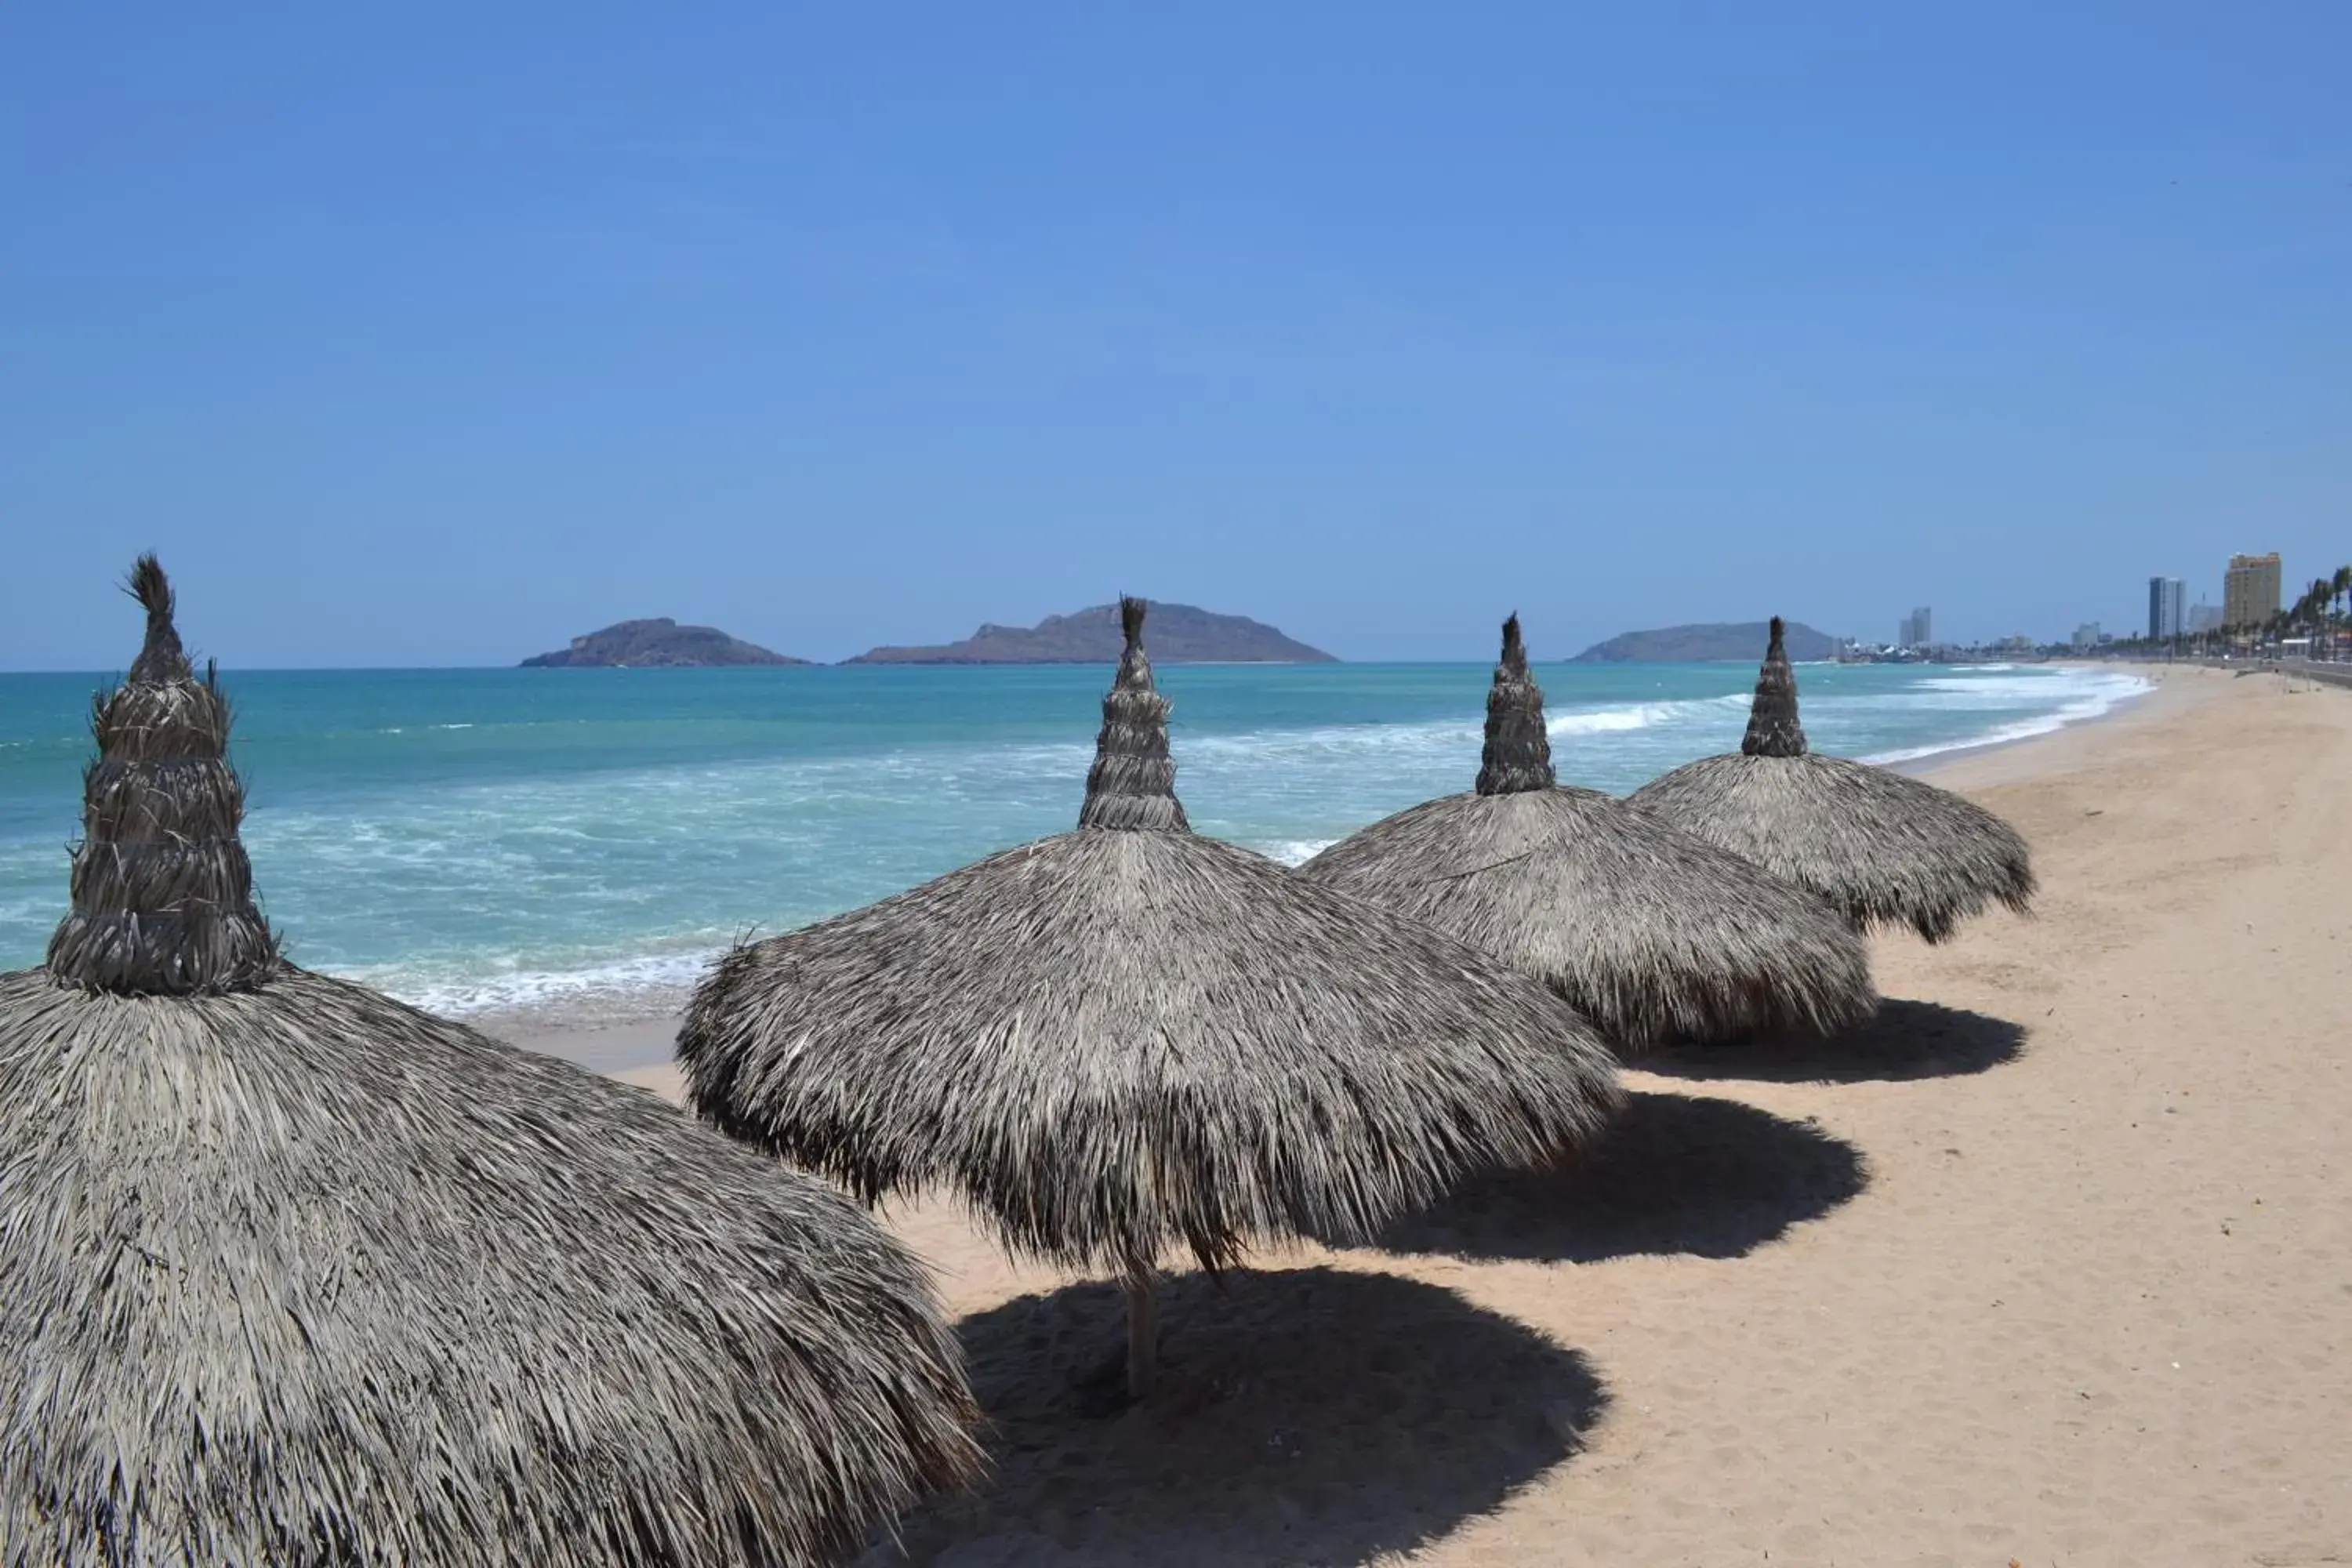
[(1181, 634), (659, 643), (1706, 642)]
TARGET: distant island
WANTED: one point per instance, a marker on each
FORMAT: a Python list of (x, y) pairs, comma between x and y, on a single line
[(1714, 640), (657, 644), (1178, 634)]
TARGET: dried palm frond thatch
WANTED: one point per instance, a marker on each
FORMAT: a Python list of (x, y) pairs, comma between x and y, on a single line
[(291, 1273), (1650, 932), (1884, 848), (163, 892), (1128, 1036)]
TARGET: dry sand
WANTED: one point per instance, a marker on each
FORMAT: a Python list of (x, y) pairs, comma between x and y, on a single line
[(2053, 1263)]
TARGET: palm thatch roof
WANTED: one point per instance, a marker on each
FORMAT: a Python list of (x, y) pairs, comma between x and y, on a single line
[(1650, 932), (1128, 1036), (291, 1273), (1886, 850)]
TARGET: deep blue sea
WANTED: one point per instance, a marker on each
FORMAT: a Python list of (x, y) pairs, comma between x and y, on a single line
[(572, 845)]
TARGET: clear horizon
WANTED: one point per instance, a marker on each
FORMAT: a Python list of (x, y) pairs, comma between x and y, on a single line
[(1537, 656), (435, 339)]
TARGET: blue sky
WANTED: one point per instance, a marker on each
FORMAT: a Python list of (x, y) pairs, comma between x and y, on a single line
[(436, 335)]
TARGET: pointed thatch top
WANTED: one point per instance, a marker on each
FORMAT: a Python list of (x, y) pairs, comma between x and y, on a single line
[(1884, 848), (1133, 784), (1772, 727), (163, 893), (1517, 757)]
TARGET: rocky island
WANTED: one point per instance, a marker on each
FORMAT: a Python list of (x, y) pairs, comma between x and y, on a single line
[(657, 644), (1710, 640), (1181, 634)]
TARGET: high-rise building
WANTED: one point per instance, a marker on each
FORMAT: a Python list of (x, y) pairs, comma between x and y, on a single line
[(2249, 591), (2087, 634), (2167, 607), (1916, 629), (2204, 617)]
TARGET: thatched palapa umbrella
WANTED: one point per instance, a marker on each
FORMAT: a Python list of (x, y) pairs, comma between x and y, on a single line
[(293, 1274), (1128, 1036), (1886, 850), (1650, 932)]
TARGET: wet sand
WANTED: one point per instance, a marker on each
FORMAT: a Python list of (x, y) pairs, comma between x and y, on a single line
[(2052, 1263)]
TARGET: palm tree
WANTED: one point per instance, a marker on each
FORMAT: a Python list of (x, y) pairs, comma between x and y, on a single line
[(2312, 605)]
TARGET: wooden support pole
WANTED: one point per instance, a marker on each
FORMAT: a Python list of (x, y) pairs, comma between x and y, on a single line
[(1142, 1334)]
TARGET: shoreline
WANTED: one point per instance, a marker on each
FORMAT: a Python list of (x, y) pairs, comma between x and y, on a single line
[(1936, 762), (640, 1049)]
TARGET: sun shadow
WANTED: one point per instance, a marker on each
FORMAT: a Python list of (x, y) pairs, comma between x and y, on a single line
[(1674, 1173), (1304, 1415), (1904, 1040)]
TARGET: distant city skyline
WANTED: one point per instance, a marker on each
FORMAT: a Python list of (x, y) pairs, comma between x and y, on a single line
[(2252, 590)]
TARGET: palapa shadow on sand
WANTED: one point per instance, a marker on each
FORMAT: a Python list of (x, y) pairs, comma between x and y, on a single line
[(1674, 1173), (1903, 1040), (1305, 1415)]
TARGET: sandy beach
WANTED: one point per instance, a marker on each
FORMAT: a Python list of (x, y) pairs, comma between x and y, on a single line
[(2051, 1265)]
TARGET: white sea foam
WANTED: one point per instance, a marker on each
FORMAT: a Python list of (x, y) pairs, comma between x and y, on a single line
[(1995, 688), (1257, 746), (1644, 715), (1601, 722), (623, 989), (1298, 851), (2091, 695)]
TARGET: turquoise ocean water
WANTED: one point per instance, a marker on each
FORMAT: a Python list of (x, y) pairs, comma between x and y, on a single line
[(570, 847)]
